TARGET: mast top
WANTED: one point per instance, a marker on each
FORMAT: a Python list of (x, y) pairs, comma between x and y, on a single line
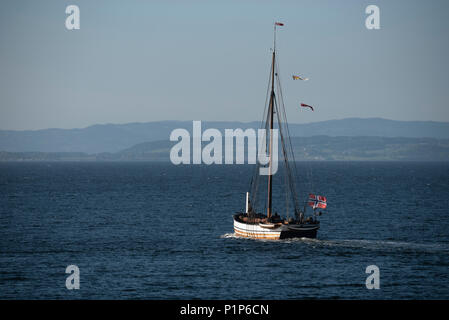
[(280, 24)]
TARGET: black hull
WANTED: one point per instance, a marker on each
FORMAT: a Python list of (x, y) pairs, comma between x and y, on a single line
[(299, 234)]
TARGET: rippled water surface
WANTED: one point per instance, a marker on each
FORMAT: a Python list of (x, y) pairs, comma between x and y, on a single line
[(158, 231)]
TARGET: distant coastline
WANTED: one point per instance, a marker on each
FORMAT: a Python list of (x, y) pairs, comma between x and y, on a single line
[(315, 148), (351, 139)]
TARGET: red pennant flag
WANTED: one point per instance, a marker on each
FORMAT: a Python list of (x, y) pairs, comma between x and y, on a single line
[(306, 106), (279, 23)]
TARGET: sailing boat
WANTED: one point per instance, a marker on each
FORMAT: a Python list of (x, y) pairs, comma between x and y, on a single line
[(271, 225)]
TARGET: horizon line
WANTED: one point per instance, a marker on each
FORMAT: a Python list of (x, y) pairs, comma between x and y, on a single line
[(219, 121)]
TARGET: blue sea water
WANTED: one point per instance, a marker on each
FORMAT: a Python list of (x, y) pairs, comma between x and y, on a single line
[(142, 230)]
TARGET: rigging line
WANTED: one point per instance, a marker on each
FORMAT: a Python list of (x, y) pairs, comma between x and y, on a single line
[(266, 122), (284, 117), (290, 173), (257, 173), (287, 166), (286, 124), (266, 97), (254, 187), (309, 171), (287, 170), (286, 195)]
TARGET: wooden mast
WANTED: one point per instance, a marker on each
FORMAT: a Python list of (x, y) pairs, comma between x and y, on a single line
[(271, 110)]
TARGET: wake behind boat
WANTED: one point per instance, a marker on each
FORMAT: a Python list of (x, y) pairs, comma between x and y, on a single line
[(253, 224)]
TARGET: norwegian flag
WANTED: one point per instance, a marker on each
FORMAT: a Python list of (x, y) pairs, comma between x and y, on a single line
[(317, 201)]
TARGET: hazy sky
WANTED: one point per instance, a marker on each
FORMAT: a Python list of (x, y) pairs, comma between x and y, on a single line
[(139, 61)]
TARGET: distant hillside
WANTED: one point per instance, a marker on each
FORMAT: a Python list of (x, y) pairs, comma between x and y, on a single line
[(371, 148), (305, 149), (327, 148), (115, 137)]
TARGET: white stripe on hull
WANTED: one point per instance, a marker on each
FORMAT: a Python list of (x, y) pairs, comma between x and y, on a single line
[(256, 231)]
